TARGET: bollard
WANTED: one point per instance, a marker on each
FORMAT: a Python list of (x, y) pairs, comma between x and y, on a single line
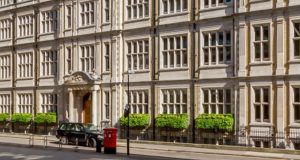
[(31, 140), (45, 142), (76, 147), (29, 143), (59, 144)]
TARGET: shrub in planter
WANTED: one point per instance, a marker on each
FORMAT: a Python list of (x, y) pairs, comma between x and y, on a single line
[(135, 120), (4, 117), (173, 121), (215, 121), (21, 117), (45, 118)]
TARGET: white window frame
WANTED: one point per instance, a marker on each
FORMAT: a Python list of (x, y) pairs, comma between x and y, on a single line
[(171, 103), (24, 103), (106, 11), (106, 58), (69, 59), (5, 2), (260, 42), (25, 65), (48, 102), (87, 58), (260, 105), (25, 25), (296, 103), (49, 22), (5, 62), (214, 3), (5, 103), (138, 101), (107, 108), (68, 14), (5, 29), (49, 63), (137, 55), (140, 6), (178, 7), (216, 101), (172, 55), (296, 37), (87, 13), (222, 49)]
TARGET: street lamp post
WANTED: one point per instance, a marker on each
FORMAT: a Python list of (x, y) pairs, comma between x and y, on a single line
[(128, 108)]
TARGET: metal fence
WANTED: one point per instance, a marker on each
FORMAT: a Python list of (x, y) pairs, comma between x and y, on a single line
[(254, 138)]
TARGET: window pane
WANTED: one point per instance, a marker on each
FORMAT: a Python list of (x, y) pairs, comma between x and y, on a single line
[(206, 56), (257, 113), (213, 39), (228, 37), (266, 50), (266, 32), (257, 95), (205, 108), (297, 48), (220, 95), (266, 113), (228, 53), (205, 39), (205, 92), (297, 29), (221, 54), (220, 38), (213, 55), (257, 33), (213, 96), (257, 51), (165, 58), (228, 96), (220, 109), (297, 112), (213, 109), (266, 95), (296, 94)]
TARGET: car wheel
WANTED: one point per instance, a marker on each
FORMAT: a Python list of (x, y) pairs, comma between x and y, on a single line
[(92, 142), (64, 140)]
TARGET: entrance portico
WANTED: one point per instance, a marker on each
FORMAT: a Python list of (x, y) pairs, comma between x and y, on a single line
[(82, 89)]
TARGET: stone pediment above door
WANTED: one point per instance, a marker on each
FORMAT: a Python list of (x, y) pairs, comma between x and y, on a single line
[(80, 77)]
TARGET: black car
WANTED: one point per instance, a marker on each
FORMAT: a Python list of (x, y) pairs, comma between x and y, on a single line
[(85, 133)]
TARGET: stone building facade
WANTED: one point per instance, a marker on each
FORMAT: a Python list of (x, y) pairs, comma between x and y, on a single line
[(188, 56)]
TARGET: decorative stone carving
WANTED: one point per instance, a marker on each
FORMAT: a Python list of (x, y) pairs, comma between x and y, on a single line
[(79, 78)]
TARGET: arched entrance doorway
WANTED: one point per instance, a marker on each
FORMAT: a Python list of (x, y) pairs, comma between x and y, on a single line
[(86, 108)]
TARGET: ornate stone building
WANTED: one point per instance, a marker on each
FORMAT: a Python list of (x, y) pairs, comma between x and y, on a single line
[(188, 56)]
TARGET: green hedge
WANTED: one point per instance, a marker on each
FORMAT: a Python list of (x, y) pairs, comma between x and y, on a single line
[(42, 118), (21, 117), (135, 120), (4, 117), (174, 121), (215, 121)]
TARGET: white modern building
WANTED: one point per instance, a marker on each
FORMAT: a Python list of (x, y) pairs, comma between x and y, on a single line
[(188, 56)]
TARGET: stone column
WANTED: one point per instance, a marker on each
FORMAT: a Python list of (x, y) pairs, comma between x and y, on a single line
[(94, 105), (71, 106)]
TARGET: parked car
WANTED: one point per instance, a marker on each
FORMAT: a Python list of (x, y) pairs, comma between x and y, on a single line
[(85, 133)]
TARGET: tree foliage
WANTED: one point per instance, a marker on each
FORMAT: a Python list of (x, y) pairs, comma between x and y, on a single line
[(215, 121), (21, 117), (173, 121), (42, 118), (135, 120), (4, 117)]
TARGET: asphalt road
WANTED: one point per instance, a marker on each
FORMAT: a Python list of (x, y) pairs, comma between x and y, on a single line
[(21, 153)]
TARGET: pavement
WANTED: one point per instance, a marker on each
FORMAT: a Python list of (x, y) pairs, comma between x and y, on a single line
[(150, 150)]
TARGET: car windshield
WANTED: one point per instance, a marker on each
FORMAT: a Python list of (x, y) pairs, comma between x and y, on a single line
[(89, 127)]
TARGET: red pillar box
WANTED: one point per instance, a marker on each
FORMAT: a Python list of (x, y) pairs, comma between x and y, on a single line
[(110, 140)]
